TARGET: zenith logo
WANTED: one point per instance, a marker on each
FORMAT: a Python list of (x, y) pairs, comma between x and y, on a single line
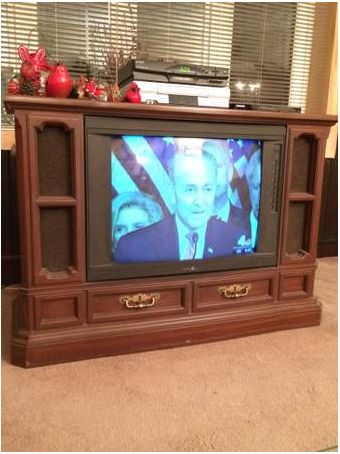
[(190, 268)]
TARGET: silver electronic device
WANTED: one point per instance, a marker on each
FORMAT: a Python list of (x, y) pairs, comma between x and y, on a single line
[(178, 83)]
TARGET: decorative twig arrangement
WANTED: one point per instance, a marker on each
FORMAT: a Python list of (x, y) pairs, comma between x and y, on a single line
[(112, 48)]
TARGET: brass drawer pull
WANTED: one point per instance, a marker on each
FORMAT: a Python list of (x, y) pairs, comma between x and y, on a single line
[(235, 290), (139, 300)]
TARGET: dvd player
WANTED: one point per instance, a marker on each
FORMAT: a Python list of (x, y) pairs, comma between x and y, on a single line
[(173, 72), (183, 94)]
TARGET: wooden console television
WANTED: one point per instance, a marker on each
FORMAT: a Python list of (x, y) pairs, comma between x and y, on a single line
[(60, 315)]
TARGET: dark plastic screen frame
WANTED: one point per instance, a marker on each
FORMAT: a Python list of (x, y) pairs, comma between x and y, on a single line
[(98, 132)]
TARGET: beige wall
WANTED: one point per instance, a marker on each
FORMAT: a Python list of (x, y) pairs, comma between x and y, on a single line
[(332, 101), (321, 60), (322, 94), (7, 139)]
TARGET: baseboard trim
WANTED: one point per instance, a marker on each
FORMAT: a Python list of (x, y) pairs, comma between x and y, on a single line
[(43, 348)]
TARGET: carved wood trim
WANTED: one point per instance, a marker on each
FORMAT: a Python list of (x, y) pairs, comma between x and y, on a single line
[(59, 310), (164, 111), (24, 198), (56, 201), (319, 136), (72, 124), (296, 284), (301, 197)]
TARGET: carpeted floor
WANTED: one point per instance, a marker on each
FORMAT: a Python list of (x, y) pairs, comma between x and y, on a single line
[(273, 392)]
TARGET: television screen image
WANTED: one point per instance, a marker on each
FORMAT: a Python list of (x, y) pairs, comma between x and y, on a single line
[(182, 198)]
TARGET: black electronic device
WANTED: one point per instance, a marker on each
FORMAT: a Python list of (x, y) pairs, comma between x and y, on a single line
[(173, 72), (264, 107)]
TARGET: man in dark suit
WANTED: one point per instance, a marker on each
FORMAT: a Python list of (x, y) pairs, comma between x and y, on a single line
[(192, 232)]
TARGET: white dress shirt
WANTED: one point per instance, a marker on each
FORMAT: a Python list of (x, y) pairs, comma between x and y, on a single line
[(183, 241)]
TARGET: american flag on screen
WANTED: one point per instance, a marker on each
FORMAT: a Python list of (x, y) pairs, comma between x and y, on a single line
[(139, 163)]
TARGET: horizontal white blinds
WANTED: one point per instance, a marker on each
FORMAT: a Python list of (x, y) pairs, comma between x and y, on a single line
[(192, 32), (83, 36), (266, 46)]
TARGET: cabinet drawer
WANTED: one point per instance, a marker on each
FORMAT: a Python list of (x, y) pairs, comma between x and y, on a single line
[(123, 303), (234, 292)]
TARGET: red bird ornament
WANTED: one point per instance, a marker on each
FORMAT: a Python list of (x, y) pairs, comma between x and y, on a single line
[(133, 94)]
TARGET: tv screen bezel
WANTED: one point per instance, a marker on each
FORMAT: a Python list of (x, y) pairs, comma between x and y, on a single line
[(98, 133)]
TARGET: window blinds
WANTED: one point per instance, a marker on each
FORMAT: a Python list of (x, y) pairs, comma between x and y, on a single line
[(266, 46), (81, 35)]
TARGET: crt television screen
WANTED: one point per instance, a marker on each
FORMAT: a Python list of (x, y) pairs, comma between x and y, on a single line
[(184, 198)]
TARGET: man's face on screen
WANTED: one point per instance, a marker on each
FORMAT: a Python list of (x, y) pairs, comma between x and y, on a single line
[(194, 179)]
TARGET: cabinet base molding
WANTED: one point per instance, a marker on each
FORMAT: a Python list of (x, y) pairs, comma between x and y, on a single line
[(84, 342)]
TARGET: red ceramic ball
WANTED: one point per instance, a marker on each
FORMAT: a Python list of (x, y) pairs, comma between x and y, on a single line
[(59, 83)]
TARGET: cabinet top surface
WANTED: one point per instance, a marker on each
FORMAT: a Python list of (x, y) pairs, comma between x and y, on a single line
[(122, 109)]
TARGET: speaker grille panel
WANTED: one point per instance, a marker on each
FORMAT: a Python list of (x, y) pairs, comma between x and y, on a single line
[(54, 161), (303, 165), (298, 227), (56, 238)]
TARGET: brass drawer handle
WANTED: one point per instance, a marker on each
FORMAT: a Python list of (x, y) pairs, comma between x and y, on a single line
[(139, 300), (235, 290)]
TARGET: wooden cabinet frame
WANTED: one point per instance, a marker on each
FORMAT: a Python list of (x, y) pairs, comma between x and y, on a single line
[(60, 316)]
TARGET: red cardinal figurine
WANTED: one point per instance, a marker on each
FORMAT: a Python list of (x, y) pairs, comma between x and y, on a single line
[(133, 94)]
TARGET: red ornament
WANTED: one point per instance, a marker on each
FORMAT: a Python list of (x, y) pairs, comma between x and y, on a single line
[(33, 63), (28, 72), (90, 88), (13, 87), (94, 90), (99, 91), (59, 83), (133, 94), (31, 67)]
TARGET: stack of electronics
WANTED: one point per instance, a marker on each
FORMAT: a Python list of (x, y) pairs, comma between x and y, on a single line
[(186, 84), (177, 83)]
